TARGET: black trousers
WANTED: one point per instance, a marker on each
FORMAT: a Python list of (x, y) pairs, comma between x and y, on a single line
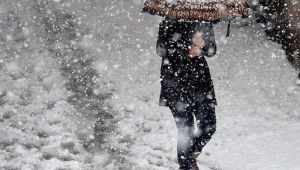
[(193, 137)]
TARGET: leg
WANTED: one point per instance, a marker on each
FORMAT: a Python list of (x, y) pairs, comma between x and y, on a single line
[(185, 125), (206, 125)]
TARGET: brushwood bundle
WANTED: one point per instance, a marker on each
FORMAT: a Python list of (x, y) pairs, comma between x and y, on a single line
[(201, 10)]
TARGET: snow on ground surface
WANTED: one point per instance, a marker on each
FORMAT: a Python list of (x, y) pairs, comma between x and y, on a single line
[(258, 111), (258, 99), (39, 128)]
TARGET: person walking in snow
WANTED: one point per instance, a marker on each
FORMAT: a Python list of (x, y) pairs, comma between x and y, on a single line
[(186, 84)]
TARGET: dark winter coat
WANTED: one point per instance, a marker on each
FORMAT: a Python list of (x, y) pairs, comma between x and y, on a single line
[(184, 80)]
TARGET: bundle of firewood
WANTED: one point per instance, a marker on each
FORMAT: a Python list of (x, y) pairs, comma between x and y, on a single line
[(214, 10)]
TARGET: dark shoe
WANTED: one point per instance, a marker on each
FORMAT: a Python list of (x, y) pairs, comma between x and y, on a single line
[(195, 168), (194, 164)]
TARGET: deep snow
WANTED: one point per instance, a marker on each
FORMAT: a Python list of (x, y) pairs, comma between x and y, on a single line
[(258, 98), (39, 128)]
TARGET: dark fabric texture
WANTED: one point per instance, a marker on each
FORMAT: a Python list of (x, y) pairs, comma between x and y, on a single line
[(189, 140), (185, 81)]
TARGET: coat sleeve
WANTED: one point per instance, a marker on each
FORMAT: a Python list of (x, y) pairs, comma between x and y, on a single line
[(161, 43), (210, 47)]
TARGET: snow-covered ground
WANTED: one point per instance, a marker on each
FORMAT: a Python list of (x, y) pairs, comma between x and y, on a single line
[(258, 111), (39, 128), (258, 96)]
